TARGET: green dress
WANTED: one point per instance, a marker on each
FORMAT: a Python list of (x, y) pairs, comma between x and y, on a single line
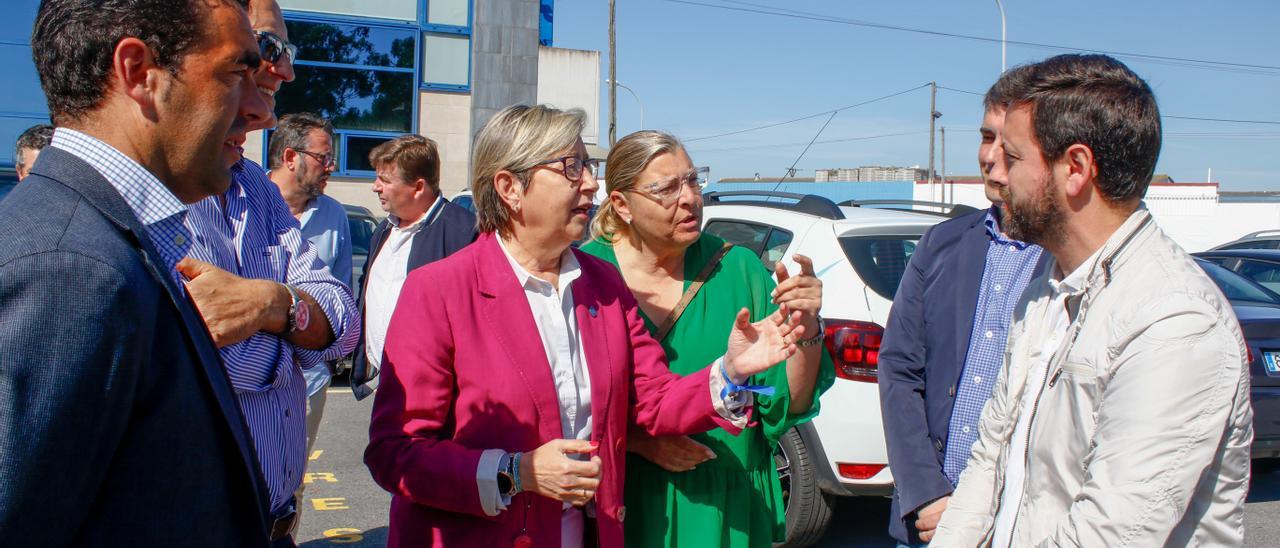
[(735, 499)]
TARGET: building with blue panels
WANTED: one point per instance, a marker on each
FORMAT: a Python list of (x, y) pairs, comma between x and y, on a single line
[(378, 69)]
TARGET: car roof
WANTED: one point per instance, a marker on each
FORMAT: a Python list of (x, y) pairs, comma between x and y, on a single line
[(357, 210), (1272, 255)]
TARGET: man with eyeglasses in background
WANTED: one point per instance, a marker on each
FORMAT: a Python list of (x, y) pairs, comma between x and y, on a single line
[(421, 227), (272, 306)]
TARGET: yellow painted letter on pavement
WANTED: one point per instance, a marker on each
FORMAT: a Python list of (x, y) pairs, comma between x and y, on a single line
[(343, 535), (335, 503)]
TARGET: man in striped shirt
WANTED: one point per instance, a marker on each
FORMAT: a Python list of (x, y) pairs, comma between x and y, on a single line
[(271, 304)]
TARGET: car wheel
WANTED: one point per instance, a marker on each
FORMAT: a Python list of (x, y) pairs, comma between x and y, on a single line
[(808, 508)]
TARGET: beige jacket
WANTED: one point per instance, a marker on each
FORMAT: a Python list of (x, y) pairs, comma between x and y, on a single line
[(1141, 428)]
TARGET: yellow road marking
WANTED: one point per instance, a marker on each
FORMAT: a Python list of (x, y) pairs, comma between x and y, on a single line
[(334, 503), (320, 476), (343, 535), (315, 455)]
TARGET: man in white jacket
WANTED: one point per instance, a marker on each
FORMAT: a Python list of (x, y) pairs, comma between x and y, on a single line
[(1122, 415)]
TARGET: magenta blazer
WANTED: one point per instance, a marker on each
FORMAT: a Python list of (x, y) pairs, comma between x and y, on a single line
[(464, 370)]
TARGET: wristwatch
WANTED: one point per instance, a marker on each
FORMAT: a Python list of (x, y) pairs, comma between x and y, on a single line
[(816, 337), (299, 312), (507, 476)]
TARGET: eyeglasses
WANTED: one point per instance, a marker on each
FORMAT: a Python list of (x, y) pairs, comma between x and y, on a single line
[(326, 160), (272, 47), (572, 167), (667, 191)]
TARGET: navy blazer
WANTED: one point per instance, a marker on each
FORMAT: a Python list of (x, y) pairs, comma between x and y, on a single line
[(454, 229), (922, 356), (117, 421)]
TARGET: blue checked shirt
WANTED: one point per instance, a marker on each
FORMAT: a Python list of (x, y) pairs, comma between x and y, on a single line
[(160, 212), (1009, 267), (254, 235)]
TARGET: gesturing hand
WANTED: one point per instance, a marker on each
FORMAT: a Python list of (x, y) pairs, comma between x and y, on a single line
[(672, 453), (230, 305), (549, 472), (755, 347), (802, 292)]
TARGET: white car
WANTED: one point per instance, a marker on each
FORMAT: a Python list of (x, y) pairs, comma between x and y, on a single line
[(860, 254)]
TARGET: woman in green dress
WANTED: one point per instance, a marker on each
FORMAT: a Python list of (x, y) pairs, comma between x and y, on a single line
[(710, 489)]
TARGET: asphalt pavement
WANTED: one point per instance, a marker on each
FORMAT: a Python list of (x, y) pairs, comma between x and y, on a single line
[(344, 507)]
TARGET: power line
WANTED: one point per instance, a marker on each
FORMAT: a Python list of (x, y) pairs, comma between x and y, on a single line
[(1223, 120), (792, 170), (963, 91), (826, 142), (1164, 59), (815, 115)]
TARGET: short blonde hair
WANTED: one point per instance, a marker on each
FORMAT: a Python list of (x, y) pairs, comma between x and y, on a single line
[(628, 159), (516, 139)]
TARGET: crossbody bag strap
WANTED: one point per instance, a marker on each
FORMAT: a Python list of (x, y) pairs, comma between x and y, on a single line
[(690, 292)]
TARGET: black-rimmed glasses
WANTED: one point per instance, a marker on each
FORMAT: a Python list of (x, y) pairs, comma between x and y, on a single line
[(572, 167), (326, 160), (272, 47)]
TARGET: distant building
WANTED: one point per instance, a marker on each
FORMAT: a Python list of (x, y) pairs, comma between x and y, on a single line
[(870, 173)]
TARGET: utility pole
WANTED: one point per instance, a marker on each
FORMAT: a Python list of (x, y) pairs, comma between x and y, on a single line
[(613, 81), (933, 115), (944, 167)]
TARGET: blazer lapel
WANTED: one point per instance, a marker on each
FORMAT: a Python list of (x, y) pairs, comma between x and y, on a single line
[(79, 176), (970, 264), (510, 321), (595, 346)]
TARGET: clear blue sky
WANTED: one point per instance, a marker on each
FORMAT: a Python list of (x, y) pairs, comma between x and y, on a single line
[(703, 71)]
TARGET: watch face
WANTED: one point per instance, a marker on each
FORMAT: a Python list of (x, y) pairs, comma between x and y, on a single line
[(302, 316), (504, 483)]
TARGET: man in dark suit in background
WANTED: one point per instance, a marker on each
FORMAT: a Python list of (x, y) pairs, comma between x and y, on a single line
[(966, 277), (421, 227), (117, 422)]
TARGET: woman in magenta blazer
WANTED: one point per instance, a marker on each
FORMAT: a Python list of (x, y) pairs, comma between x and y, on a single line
[(513, 368)]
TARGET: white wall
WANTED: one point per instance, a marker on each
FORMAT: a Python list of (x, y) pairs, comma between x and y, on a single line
[(570, 78)]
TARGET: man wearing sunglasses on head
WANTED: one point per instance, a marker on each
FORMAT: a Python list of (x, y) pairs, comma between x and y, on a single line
[(273, 307)]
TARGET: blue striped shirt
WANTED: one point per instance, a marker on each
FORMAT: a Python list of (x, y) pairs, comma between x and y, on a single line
[(160, 212), (250, 232), (1009, 266)]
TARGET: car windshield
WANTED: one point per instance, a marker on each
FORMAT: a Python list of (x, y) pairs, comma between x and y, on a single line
[(1237, 287), (880, 260)]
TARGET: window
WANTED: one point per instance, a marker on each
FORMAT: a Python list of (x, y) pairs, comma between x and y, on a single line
[(1266, 274), (766, 242), (880, 260), (546, 11), (446, 45), (406, 10), (361, 76), (1236, 287)]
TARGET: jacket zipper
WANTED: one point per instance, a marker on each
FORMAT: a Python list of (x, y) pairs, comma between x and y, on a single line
[(1026, 452)]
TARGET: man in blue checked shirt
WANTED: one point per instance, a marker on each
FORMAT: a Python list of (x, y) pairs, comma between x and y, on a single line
[(272, 305), (966, 277)]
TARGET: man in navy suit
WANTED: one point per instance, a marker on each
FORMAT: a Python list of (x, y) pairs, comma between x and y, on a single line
[(117, 422), (944, 344), (421, 227)]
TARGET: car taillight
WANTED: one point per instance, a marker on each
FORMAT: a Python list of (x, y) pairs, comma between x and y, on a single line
[(854, 348), (858, 471)]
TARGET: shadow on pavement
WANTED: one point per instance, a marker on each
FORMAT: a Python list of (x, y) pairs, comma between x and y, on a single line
[(1264, 485), (351, 537)]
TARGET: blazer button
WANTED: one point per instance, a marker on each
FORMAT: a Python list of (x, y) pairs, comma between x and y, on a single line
[(938, 444), (622, 513)]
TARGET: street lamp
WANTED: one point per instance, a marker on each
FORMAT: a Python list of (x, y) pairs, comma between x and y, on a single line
[(1000, 5), (633, 95)]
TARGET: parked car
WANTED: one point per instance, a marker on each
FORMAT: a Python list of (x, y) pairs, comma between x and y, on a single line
[(1262, 239), (1259, 265), (464, 199), (1258, 310), (362, 223), (860, 254)]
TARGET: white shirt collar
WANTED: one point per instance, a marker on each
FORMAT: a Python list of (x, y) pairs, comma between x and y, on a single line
[(418, 224), (569, 270)]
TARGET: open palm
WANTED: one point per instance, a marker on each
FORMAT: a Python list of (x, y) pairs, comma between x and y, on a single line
[(755, 347)]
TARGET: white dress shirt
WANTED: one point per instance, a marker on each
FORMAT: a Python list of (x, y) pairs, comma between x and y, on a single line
[(386, 277), (1016, 469)]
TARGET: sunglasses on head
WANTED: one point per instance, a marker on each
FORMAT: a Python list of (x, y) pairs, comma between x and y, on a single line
[(272, 47)]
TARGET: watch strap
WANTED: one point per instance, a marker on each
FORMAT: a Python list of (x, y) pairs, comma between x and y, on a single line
[(295, 301)]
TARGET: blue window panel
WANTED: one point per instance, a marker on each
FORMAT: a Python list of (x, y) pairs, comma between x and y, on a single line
[(446, 61), (546, 10), (350, 44), (358, 99), (455, 13), (21, 91), (406, 10), (358, 146)]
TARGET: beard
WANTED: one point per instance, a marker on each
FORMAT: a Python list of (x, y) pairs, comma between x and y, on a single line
[(311, 184), (1037, 220)]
